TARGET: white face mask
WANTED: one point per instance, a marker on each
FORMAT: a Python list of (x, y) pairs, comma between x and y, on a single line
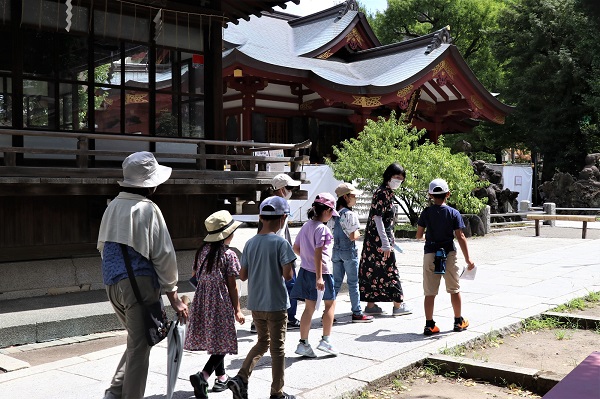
[(288, 194), (395, 183)]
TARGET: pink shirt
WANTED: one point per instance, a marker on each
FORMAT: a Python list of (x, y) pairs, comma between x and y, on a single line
[(312, 235)]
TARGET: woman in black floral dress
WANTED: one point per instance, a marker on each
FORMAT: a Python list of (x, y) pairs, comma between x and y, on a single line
[(377, 274)]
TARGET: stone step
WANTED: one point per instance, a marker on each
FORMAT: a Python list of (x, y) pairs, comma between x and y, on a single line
[(496, 373)]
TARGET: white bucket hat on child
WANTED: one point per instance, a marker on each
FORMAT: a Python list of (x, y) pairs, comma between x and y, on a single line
[(141, 169), (438, 186), (220, 225)]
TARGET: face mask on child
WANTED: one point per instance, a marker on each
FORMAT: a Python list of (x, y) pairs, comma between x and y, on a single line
[(288, 194), (395, 183)]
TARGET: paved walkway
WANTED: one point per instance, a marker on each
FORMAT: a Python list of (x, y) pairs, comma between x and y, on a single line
[(518, 276)]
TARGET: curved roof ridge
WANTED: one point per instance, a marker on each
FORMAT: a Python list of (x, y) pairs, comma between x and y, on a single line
[(311, 37), (432, 40), (336, 10)]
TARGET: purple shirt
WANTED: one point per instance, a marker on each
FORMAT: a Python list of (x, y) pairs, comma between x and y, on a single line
[(312, 235)]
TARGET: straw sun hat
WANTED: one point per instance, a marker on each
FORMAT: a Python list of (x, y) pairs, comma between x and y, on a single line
[(220, 225)]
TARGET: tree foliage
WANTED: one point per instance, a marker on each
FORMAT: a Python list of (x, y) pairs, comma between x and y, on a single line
[(386, 141), (549, 52), (470, 21)]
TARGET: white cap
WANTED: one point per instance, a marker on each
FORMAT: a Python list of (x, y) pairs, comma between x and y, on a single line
[(438, 186), (282, 180), (141, 169)]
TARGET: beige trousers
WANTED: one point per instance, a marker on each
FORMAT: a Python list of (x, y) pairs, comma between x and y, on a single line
[(129, 381), (271, 328)]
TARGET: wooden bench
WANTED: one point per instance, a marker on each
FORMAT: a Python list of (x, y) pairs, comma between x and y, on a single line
[(581, 383), (571, 218)]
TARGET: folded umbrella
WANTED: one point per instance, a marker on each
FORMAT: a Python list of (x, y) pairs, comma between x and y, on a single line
[(175, 339)]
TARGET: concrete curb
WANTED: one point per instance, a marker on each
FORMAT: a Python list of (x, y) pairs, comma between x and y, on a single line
[(496, 373), (582, 321)]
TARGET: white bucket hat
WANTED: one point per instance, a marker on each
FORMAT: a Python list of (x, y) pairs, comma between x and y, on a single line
[(220, 225), (141, 169)]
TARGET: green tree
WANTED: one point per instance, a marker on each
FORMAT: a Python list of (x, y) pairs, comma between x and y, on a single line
[(550, 55), (386, 141), (470, 21), (472, 24)]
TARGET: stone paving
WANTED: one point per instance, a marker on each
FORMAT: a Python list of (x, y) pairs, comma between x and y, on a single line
[(519, 276)]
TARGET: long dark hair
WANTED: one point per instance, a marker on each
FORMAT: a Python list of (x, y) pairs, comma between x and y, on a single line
[(216, 251), (341, 203), (392, 170)]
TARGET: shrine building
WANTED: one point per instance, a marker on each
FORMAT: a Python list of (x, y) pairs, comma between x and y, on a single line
[(320, 77)]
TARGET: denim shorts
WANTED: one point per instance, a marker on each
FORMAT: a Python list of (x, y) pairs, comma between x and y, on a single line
[(306, 286)]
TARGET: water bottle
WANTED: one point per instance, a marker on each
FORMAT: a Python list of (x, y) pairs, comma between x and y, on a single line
[(440, 261)]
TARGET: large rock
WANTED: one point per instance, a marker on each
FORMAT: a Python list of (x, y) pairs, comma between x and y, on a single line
[(566, 192)]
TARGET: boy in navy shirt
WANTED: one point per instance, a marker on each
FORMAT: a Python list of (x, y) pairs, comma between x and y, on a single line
[(441, 223)]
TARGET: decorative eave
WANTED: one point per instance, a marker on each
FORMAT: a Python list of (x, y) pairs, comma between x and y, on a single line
[(357, 29), (234, 10), (429, 42)]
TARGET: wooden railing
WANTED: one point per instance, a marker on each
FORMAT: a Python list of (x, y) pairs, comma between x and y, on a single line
[(221, 150)]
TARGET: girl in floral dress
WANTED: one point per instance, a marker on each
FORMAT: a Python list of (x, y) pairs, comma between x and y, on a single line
[(378, 276), (216, 303)]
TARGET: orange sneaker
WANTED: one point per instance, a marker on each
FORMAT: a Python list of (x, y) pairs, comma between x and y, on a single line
[(431, 330), (458, 327)]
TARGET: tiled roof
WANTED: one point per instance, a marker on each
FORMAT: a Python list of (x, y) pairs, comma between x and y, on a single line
[(273, 41)]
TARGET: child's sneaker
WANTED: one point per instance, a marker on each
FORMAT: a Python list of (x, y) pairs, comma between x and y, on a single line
[(200, 385), (361, 318), (458, 327), (238, 387), (327, 347), (375, 310), (220, 386), (401, 310), (293, 324), (431, 330), (305, 350)]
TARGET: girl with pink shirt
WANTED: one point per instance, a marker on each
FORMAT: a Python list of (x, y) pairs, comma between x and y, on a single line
[(314, 245)]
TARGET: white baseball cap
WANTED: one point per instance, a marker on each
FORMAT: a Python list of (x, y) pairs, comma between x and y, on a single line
[(141, 169), (282, 180), (438, 186)]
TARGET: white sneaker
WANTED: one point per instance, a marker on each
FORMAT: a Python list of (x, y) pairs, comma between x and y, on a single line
[(402, 310), (305, 350), (327, 347)]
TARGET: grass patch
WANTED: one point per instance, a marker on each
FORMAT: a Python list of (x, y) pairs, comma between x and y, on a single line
[(540, 323), (405, 227), (579, 303)]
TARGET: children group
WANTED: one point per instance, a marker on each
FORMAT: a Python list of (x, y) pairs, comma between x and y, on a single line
[(325, 251)]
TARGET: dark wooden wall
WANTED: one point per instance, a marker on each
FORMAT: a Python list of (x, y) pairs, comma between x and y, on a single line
[(46, 227)]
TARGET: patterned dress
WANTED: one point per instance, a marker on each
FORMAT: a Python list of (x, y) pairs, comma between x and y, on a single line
[(211, 326), (378, 280)]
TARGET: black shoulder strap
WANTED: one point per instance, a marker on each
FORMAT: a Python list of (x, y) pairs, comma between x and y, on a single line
[(134, 285)]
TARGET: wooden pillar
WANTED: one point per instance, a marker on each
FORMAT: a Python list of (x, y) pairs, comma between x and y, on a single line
[(437, 132), (359, 119), (248, 86), (248, 103), (213, 81)]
